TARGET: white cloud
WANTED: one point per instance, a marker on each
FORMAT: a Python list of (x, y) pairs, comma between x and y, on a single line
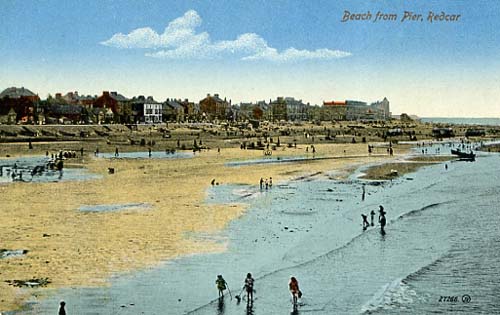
[(292, 54), (179, 32), (181, 41)]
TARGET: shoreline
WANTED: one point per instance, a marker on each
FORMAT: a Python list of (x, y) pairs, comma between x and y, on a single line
[(148, 241), (260, 242)]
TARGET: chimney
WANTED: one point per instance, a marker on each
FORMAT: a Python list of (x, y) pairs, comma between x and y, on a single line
[(208, 94), (105, 93)]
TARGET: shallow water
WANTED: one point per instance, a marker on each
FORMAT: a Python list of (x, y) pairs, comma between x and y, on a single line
[(23, 169), (145, 155), (268, 160), (4, 253), (114, 207), (442, 239)]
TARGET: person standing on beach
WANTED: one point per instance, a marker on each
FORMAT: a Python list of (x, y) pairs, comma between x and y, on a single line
[(293, 286), (372, 215), (221, 285), (116, 152), (363, 194), (270, 182), (261, 183), (62, 311), (267, 184)]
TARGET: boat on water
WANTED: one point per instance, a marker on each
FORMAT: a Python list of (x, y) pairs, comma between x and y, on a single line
[(464, 155)]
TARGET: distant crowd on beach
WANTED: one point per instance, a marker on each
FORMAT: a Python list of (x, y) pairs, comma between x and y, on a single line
[(266, 183)]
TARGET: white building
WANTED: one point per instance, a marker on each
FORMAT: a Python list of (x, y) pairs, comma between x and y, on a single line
[(146, 110)]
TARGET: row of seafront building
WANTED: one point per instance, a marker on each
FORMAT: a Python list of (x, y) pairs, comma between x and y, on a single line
[(20, 105)]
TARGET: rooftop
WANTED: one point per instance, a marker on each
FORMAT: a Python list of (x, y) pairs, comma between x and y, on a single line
[(14, 92)]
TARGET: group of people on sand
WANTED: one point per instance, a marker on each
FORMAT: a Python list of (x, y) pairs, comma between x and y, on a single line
[(381, 219), (248, 287), (313, 149), (266, 183)]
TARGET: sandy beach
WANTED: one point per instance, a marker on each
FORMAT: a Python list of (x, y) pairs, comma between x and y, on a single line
[(309, 225), (70, 247)]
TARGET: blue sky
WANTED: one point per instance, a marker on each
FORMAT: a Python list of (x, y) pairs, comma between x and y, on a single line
[(254, 50)]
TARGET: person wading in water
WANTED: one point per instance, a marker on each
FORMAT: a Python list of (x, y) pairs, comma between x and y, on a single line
[(365, 222), (62, 311), (382, 220), (249, 281), (293, 286), (221, 285)]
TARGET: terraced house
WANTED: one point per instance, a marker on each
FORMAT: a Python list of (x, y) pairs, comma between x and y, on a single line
[(173, 110), (279, 109), (20, 102), (120, 106), (296, 110), (213, 107)]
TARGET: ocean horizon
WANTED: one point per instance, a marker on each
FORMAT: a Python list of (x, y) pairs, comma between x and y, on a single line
[(489, 121)]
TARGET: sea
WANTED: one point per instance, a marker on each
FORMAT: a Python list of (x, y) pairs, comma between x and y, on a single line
[(440, 253), (463, 121)]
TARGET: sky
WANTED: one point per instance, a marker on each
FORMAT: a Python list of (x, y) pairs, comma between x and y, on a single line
[(256, 50)]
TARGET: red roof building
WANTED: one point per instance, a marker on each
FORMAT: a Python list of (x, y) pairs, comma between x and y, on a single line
[(334, 110)]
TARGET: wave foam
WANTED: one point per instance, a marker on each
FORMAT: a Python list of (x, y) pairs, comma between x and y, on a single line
[(395, 294)]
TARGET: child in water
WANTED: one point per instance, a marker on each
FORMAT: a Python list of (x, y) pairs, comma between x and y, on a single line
[(365, 221), (293, 286)]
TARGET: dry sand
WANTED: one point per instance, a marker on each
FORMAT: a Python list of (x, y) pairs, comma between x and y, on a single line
[(75, 248)]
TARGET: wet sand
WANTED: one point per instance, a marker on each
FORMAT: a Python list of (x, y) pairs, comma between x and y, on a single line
[(76, 248)]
